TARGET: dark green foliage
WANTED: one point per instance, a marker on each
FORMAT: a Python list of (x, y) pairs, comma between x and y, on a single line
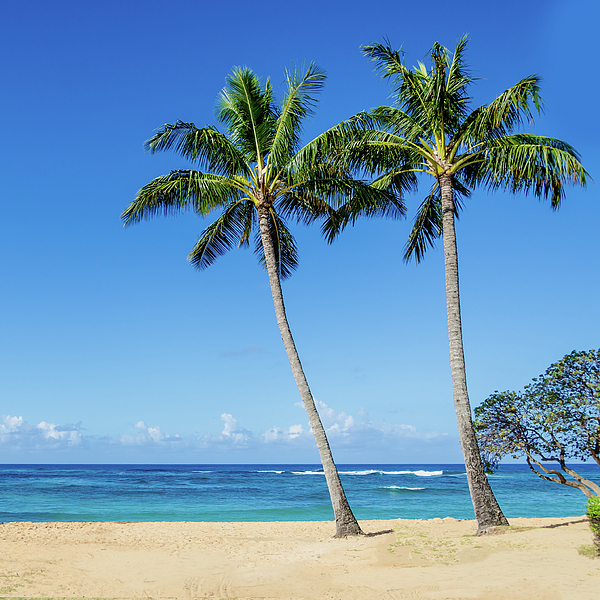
[(555, 418)]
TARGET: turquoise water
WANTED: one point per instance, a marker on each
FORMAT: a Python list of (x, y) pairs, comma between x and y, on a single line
[(268, 492)]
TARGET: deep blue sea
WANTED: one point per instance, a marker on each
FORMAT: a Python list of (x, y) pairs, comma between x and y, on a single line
[(268, 492)]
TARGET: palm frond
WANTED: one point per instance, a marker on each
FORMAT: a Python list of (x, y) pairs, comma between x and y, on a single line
[(284, 245), (388, 61), (427, 226), (399, 122), (401, 178), (248, 111), (297, 106), (447, 94), (182, 190), (334, 186), (502, 116), (458, 75), (531, 164), (409, 87), (455, 103), (207, 146), (433, 102), (332, 146), (358, 148), (302, 206), (230, 229), (365, 201)]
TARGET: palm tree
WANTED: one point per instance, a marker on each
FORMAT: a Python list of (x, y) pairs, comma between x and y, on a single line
[(432, 130), (258, 175)]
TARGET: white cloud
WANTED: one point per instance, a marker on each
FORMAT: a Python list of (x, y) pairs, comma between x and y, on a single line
[(345, 431), (15, 431), (232, 430), (148, 436), (284, 434), (295, 431), (353, 438), (69, 434), (334, 422), (232, 436), (231, 425), (10, 424)]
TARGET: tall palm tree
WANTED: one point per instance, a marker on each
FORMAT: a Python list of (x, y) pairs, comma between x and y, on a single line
[(258, 175), (432, 130)]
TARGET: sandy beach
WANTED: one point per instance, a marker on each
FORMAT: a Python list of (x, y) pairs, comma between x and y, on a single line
[(419, 559)]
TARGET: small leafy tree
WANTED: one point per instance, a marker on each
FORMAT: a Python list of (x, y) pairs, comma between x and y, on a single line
[(557, 417), (593, 512)]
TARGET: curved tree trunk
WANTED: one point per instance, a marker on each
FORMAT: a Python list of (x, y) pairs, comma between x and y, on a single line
[(345, 522), (487, 510)]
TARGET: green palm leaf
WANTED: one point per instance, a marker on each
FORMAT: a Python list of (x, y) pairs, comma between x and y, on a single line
[(248, 112), (298, 104), (302, 206), (231, 229), (532, 164), (366, 201), (428, 226), (502, 116), (182, 190), (458, 78), (207, 146), (410, 88)]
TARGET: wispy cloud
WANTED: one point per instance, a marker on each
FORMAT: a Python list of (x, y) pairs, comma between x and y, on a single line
[(348, 434), (148, 435), (346, 430), (294, 433)]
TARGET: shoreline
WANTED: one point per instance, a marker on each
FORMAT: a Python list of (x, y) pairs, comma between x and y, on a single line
[(533, 559)]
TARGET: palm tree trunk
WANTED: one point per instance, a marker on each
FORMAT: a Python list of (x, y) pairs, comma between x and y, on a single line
[(487, 510), (345, 522)]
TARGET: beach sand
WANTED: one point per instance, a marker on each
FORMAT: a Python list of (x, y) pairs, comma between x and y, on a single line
[(535, 559)]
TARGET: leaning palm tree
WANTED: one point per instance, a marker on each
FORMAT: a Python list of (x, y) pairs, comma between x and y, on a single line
[(432, 130), (258, 175)]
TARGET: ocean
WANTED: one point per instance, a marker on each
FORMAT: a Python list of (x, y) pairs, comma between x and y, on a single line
[(269, 492)]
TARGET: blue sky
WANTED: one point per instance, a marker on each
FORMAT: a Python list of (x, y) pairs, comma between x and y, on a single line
[(115, 350)]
